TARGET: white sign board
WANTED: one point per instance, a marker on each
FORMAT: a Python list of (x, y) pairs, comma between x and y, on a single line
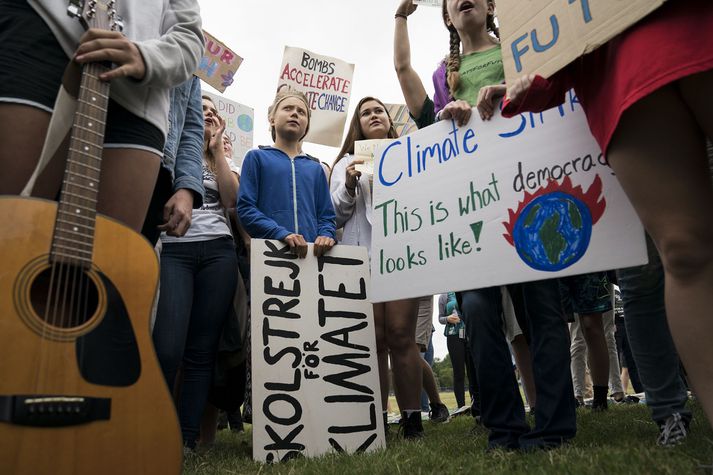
[(239, 124), (327, 83), (497, 202), (428, 3), (314, 367)]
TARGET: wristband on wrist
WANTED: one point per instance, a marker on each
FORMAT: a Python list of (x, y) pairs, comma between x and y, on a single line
[(401, 15)]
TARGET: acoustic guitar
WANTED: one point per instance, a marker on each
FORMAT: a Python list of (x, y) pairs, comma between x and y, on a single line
[(81, 390)]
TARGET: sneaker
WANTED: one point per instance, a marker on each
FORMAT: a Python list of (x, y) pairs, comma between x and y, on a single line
[(411, 426), (438, 413), (627, 400), (672, 431)]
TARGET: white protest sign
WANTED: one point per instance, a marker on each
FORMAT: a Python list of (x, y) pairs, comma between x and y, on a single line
[(327, 83), (315, 375), (364, 150), (239, 124), (497, 202), (428, 3), (543, 36)]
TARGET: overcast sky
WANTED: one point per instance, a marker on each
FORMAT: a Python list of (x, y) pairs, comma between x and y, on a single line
[(359, 32)]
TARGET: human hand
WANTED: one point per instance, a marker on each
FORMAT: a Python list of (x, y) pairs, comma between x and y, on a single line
[(457, 110), (453, 318), (215, 143), (322, 244), (97, 45), (297, 244), (487, 98), (353, 176), (517, 90), (177, 213), (406, 7)]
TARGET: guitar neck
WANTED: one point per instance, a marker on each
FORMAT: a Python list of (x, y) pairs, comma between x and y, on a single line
[(73, 240)]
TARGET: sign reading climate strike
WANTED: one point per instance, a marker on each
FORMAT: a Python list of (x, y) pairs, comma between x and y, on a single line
[(327, 83), (497, 202), (314, 370)]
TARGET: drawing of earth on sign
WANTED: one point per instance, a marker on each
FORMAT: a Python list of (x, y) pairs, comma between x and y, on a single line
[(552, 227)]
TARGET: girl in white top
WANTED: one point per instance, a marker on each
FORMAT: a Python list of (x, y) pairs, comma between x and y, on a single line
[(395, 321)]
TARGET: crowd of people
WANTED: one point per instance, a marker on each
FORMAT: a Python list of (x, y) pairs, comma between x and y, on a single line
[(648, 101)]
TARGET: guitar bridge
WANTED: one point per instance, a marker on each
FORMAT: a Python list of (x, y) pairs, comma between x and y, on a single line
[(53, 411)]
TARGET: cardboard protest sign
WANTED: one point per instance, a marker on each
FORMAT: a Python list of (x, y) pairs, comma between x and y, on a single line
[(497, 202), (315, 374), (403, 123), (364, 150), (239, 124), (218, 64), (327, 83), (543, 36)]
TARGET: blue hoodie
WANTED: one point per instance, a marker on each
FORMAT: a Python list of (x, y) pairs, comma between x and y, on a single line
[(281, 196)]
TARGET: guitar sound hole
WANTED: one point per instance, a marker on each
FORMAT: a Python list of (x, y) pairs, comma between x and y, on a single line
[(64, 296)]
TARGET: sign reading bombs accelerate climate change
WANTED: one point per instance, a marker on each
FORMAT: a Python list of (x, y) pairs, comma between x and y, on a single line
[(239, 121), (497, 202), (327, 83), (315, 376)]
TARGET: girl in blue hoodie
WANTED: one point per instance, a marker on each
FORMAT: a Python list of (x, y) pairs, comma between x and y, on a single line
[(284, 194)]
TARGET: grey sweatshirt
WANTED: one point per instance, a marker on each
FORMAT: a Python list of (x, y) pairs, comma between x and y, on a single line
[(168, 34)]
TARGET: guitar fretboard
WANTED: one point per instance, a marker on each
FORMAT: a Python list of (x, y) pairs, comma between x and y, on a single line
[(73, 241)]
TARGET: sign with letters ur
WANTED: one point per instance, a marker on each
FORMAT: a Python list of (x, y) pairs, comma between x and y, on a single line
[(497, 202), (315, 376), (543, 36)]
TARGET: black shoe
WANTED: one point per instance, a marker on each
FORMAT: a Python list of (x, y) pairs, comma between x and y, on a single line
[(600, 406), (411, 426), (438, 413), (222, 420)]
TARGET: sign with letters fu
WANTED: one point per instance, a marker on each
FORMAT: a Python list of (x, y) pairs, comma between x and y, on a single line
[(543, 36), (497, 202), (315, 375)]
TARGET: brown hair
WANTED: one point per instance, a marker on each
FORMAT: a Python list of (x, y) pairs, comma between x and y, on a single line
[(453, 59), (355, 133), (281, 96)]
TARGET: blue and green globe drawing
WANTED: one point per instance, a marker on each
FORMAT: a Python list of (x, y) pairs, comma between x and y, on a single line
[(553, 231)]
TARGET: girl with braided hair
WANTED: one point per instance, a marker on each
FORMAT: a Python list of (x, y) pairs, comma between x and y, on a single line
[(473, 75)]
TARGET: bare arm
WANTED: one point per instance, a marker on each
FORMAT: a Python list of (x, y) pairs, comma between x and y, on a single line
[(411, 85)]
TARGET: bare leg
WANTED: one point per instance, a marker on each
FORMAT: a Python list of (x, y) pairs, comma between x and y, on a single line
[(22, 133), (401, 318), (429, 383), (597, 351), (625, 379), (658, 154), (382, 353), (523, 361)]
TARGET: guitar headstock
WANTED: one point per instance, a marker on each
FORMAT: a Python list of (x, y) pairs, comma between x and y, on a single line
[(99, 14)]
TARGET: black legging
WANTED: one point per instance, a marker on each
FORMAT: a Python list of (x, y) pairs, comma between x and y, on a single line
[(456, 349)]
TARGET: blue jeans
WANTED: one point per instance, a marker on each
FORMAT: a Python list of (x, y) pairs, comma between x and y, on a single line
[(642, 290), (198, 281), (428, 356), (538, 305)]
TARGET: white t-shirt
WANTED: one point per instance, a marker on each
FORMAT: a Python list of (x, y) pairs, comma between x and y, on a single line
[(209, 221)]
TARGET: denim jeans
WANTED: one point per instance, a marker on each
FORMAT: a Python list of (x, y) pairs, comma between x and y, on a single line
[(198, 281), (538, 306), (642, 290), (428, 356)]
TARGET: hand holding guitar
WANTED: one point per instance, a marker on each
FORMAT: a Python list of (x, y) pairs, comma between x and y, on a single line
[(97, 45)]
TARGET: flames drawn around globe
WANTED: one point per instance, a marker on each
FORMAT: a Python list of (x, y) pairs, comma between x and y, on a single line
[(552, 227)]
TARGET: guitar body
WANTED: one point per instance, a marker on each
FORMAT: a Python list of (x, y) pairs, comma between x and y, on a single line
[(83, 398)]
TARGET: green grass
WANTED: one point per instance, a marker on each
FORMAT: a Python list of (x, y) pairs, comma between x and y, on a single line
[(620, 441)]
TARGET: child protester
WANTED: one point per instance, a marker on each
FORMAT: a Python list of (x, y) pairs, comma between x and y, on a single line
[(284, 194)]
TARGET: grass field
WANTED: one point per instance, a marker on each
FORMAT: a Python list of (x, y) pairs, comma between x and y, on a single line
[(620, 441)]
